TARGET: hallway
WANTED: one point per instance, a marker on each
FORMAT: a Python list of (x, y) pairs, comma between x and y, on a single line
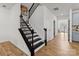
[(59, 46)]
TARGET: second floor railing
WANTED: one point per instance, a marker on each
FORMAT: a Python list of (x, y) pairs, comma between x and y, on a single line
[(32, 9)]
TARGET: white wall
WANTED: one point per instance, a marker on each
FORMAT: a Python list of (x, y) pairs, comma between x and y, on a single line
[(37, 21), (4, 29), (61, 24), (75, 17), (48, 23), (56, 25), (43, 18), (15, 35), (70, 18)]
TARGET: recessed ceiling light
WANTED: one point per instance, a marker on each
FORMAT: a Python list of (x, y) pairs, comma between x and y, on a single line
[(3, 5), (56, 8)]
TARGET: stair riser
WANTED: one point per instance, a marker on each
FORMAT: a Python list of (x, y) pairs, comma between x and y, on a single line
[(39, 47)]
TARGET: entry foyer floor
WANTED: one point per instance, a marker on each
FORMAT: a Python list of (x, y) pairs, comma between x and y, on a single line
[(59, 46)]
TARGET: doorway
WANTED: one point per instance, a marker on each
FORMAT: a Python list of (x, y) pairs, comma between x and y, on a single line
[(75, 26), (68, 30), (63, 28)]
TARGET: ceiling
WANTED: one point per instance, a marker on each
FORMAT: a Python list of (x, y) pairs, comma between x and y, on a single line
[(62, 13), (64, 8), (7, 5)]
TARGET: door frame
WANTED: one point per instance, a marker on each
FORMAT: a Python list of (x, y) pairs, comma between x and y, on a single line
[(54, 28)]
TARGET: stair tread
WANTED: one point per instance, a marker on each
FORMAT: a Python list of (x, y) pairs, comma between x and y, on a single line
[(29, 33), (35, 40), (25, 27), (24, 22), (29, 37), (26, 30), (38, 45)]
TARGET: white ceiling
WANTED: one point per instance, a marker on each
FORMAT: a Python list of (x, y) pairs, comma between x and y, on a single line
[(8, 5), (63, 11)]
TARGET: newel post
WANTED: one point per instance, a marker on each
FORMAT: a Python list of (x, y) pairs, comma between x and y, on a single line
[(32, 49), (45, 29)]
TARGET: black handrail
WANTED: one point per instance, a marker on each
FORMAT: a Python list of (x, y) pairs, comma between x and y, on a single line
[(32, 32), (45, 29), (32, 9), (25, 23)]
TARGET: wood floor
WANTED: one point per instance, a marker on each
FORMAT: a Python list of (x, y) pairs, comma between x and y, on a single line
[(59, 47), (9, 49)]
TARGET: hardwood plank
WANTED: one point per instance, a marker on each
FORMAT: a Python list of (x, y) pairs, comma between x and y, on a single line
[(9, 49), (59, 46)]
